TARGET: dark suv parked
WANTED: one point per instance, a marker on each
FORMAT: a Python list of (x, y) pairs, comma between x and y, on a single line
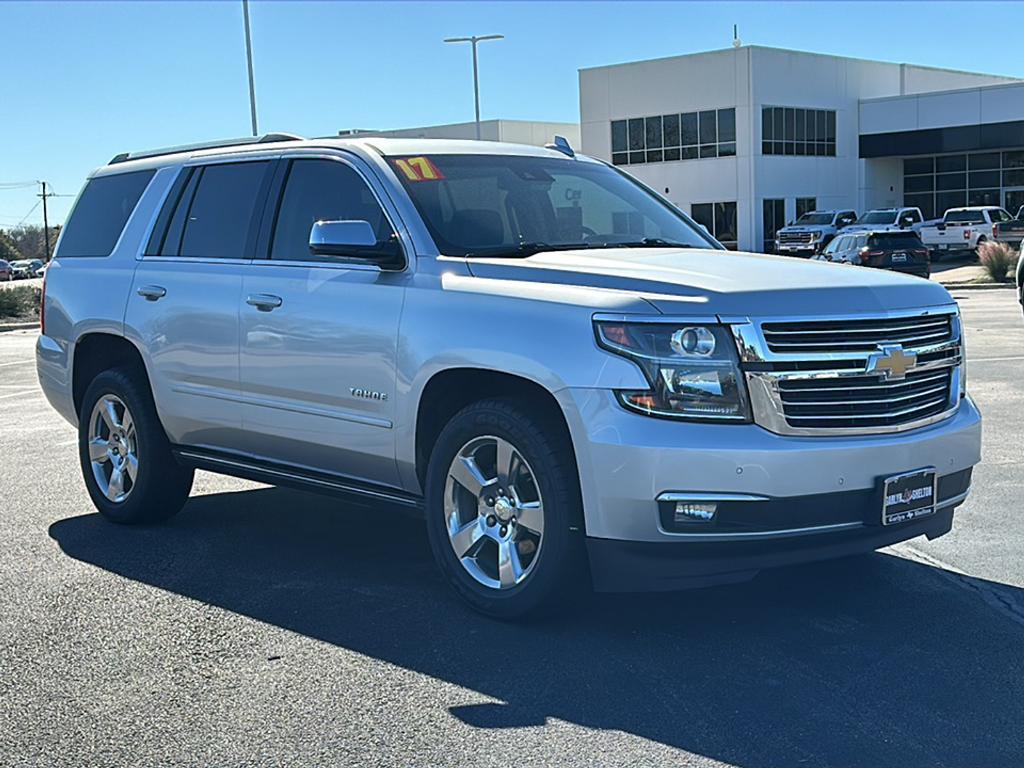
[(900, 251)]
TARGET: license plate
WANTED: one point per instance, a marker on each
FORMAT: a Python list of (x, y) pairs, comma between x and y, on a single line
[(908, 496), (943, 246), (899, 258)]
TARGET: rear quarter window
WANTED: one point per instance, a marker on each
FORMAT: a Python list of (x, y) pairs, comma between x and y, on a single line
[(101, 212)]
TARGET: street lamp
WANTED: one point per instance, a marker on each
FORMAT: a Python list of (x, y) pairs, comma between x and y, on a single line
[(476, 77), (248, 60)]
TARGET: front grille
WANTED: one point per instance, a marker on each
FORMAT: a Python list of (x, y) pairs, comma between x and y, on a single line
[(823, 336), (795, 238), (852, 402)]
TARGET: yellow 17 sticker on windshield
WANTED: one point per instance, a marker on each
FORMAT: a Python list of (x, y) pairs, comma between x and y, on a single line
[(418, 169)]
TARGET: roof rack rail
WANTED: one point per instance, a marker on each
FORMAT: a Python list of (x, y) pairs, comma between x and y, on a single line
[(264, 139)]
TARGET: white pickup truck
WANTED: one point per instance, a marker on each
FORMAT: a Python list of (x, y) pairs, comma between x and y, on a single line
[(963, 229), (887, 219)]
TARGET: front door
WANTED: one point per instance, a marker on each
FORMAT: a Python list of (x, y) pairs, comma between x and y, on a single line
[(319, 334), (1013, 199)]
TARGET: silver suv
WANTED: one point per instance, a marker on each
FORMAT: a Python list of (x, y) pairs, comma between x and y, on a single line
[(567, 377)]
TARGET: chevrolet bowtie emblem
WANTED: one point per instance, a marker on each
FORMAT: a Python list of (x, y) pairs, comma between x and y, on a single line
[(891, 362)]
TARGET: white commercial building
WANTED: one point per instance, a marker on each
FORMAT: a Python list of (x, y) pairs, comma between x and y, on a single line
[(745, 139), (534, 132)]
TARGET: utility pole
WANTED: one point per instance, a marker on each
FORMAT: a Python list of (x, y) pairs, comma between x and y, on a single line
[(46, 221), (476, 77), (248, 57)]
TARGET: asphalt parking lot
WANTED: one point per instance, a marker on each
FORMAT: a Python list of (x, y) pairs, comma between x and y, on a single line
[(270, 627)]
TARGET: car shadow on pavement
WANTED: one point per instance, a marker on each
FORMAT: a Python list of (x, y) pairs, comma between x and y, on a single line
[(869, 661)]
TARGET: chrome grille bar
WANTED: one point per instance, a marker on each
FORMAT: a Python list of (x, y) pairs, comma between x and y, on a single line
[(809, 376)]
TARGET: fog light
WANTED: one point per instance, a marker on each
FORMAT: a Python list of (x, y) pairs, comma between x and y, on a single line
[(690, 512)]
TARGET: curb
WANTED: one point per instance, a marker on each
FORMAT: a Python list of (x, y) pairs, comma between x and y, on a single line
[(977, 286), (18, 326)]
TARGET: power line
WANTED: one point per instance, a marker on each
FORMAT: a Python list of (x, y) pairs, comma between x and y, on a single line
[(31, 211)]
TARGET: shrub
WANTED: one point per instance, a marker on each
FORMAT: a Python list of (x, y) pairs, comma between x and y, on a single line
[(20, 302), (998, 259)]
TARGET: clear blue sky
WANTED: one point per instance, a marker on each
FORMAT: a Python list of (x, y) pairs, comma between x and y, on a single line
[(82, 81)]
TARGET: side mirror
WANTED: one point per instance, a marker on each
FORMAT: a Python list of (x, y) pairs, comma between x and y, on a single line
[(354, 240)]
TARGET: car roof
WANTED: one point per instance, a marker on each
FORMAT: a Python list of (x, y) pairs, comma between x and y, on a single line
[(975, 208), (366, 146)]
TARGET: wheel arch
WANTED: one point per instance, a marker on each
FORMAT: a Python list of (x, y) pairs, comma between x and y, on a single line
[(97, 352), (450, 390)]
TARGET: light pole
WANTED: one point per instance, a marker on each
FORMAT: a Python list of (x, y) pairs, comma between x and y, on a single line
[(248, 57), (476, 76)]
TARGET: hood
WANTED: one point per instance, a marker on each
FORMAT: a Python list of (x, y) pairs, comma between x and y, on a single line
[(805, 228), (691, 281)]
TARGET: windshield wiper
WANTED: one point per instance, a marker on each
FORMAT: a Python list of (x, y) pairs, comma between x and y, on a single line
[(523, 250), (649, 242)]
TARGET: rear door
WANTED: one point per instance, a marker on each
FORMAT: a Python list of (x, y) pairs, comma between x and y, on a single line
[(183, 308), (319, 334)]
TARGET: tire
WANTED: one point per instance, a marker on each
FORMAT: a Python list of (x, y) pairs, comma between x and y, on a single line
[(159, 486), (554, 566), (976, 253)]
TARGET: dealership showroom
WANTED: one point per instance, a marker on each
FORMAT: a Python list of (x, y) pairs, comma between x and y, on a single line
[(747, 139)]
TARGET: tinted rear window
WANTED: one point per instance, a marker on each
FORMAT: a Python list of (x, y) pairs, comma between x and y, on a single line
[(896, 240), (216, 221), (965, 217), (101, 212)]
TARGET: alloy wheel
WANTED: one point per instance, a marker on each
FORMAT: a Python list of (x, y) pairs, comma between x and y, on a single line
[(494, 513), (113, 448)]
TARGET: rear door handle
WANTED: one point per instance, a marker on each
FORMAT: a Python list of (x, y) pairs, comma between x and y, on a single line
[(264, 302), (152, 292)]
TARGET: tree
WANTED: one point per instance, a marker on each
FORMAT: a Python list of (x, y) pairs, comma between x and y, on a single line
[(30, 243), (8, 250)]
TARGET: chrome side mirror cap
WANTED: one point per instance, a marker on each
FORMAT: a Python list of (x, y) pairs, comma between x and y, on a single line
[(354, 240)]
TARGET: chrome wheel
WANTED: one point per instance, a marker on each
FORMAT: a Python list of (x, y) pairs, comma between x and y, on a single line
[(113, 449), (494, 512)]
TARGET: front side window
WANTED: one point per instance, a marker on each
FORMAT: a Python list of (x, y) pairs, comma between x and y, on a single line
[(479, 205), (101, 212), (322, 190)]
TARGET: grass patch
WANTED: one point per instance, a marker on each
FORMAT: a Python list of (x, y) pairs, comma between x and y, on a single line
[(998, 259), (20, 303)]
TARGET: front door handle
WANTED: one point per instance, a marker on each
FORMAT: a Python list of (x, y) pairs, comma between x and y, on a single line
[(264, 302), (152, 292)]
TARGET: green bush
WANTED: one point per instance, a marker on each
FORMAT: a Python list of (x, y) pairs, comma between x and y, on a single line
[(998, 259), (21, 302)]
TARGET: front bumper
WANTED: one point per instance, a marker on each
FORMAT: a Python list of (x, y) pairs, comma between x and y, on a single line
[(805, 486)]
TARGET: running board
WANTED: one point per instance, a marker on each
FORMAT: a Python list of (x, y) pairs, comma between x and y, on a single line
[(251, 469)]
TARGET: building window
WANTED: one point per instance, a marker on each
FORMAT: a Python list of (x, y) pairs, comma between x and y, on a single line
[(773, 217), (806, 205), (719, 219), (798, 131), (936, 184), (665, 138)]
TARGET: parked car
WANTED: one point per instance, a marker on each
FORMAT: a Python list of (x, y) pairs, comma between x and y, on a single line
[(427, 323), (1011, 231), (963, 230), (900, 251), (25, 268), (812, 232), (41, 271), (6, 270), (879, 219)]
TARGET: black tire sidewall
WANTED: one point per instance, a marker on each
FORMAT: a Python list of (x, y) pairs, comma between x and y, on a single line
[(161, 484), (556, 571)]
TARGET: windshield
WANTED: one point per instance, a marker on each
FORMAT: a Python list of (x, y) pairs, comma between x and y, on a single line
[(815, 218), (877, 217), (965, 217), (513, 205)]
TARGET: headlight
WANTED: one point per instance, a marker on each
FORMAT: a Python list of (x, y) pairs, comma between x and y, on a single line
[(693, 370), (815, 235)]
